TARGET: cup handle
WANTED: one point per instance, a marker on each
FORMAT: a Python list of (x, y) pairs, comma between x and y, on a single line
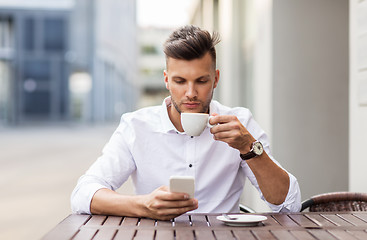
[(209, 125)]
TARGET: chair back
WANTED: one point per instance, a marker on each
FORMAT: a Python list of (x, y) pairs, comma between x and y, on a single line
[(336, 202)]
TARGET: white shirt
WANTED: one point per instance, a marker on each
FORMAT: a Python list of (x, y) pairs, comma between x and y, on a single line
[(147, 146)]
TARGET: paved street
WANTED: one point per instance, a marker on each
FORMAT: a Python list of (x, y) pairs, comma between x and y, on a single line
[(40, 166)]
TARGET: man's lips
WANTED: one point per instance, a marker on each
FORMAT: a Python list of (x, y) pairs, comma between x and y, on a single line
[(191, 104)]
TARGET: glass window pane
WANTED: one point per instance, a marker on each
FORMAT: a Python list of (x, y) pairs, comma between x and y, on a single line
[(37, 102), (38, 70), (28, 30), (54, 38)]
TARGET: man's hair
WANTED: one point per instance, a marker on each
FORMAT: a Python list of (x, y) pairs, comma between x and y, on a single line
[(190, 42)]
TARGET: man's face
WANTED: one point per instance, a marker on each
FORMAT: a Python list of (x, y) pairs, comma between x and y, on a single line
[(191, 83)]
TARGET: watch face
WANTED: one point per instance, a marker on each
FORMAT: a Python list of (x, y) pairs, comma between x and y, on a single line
[(258, 148)]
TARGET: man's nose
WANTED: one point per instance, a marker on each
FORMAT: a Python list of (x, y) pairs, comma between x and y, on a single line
[(191, 91)]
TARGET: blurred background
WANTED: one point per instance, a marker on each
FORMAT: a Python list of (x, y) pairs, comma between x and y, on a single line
[(70, 68)]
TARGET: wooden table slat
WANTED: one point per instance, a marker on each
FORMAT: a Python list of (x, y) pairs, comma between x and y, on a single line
[(320, 220), (285, 220), (206, 234), (76, 219), (362, 235), (85, 233), (321, 234), (303, 221), (130, 221), (105, 234), (199, 221), (223, 234), (144, 222), (164, 234), (361, 215), (184, 234), (182, 220), (214, 222), (336, 219), (113, 221), (341, 234), (243, 234), (164, 223), (271, 222), (283, 234), (303, 235), (67, 228), (144, 234), (352, 219), (259, 234), (96, 220), (125, 234)]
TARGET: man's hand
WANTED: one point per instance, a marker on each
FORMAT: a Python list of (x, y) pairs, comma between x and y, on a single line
[(161, 204), (164, 205), (230, 130)]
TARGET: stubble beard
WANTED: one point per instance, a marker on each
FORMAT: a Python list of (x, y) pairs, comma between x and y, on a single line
[(205, 108)]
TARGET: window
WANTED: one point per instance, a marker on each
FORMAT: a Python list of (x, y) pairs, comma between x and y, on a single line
[(29, 36), (38, 70), (54, 34)]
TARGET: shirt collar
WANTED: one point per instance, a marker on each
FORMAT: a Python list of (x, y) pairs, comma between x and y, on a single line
[(167, 125)]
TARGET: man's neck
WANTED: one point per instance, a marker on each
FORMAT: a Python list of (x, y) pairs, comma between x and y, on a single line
[(175, 117)]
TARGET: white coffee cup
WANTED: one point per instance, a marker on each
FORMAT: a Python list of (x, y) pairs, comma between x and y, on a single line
[(195, 123)]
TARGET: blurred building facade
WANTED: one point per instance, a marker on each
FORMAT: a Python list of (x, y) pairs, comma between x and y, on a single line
[(105, 47), (67, 60), (287, 61), (33, 69), (152, 63)]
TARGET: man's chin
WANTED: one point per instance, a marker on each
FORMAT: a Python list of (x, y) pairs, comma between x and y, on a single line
[(192, 111)]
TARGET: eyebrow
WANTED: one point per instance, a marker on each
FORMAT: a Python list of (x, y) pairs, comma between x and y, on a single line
[(182, 78)]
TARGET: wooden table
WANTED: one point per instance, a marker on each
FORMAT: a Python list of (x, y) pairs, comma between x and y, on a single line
[(324, 225)]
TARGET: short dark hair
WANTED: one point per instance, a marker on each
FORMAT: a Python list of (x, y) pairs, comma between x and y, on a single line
[(190, 42)]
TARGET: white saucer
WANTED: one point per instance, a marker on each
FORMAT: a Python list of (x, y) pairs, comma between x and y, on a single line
[(242, 220)]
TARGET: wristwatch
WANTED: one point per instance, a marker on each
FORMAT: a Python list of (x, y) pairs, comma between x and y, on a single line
[(256, 150)]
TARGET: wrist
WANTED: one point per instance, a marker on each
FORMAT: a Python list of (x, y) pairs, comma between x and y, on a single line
[(255, 151), (141, 206), (247, 146)]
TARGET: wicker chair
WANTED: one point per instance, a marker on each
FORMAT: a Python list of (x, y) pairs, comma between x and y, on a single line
[(336, 202)]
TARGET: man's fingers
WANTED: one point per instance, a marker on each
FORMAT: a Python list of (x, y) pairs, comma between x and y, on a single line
[(163, 193), (169, 213), (221, 119), (174, 204), (174, 196)]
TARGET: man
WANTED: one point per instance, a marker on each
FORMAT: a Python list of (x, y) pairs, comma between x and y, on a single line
[(150, 145)]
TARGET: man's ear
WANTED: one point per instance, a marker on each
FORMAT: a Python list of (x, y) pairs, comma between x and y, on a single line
[(166, 79), (216, 80)]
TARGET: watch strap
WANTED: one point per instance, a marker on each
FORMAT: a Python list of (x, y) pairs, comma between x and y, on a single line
[(248, 155)]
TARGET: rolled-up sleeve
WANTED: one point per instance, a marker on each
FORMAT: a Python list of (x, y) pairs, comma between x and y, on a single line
[(83, 193), (110, 171), (292, 202)]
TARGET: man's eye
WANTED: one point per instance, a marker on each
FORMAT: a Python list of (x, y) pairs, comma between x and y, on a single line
[(179, 81)]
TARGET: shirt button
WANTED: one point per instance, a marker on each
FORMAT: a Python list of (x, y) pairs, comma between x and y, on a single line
[(190, 165), (192, 136)]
